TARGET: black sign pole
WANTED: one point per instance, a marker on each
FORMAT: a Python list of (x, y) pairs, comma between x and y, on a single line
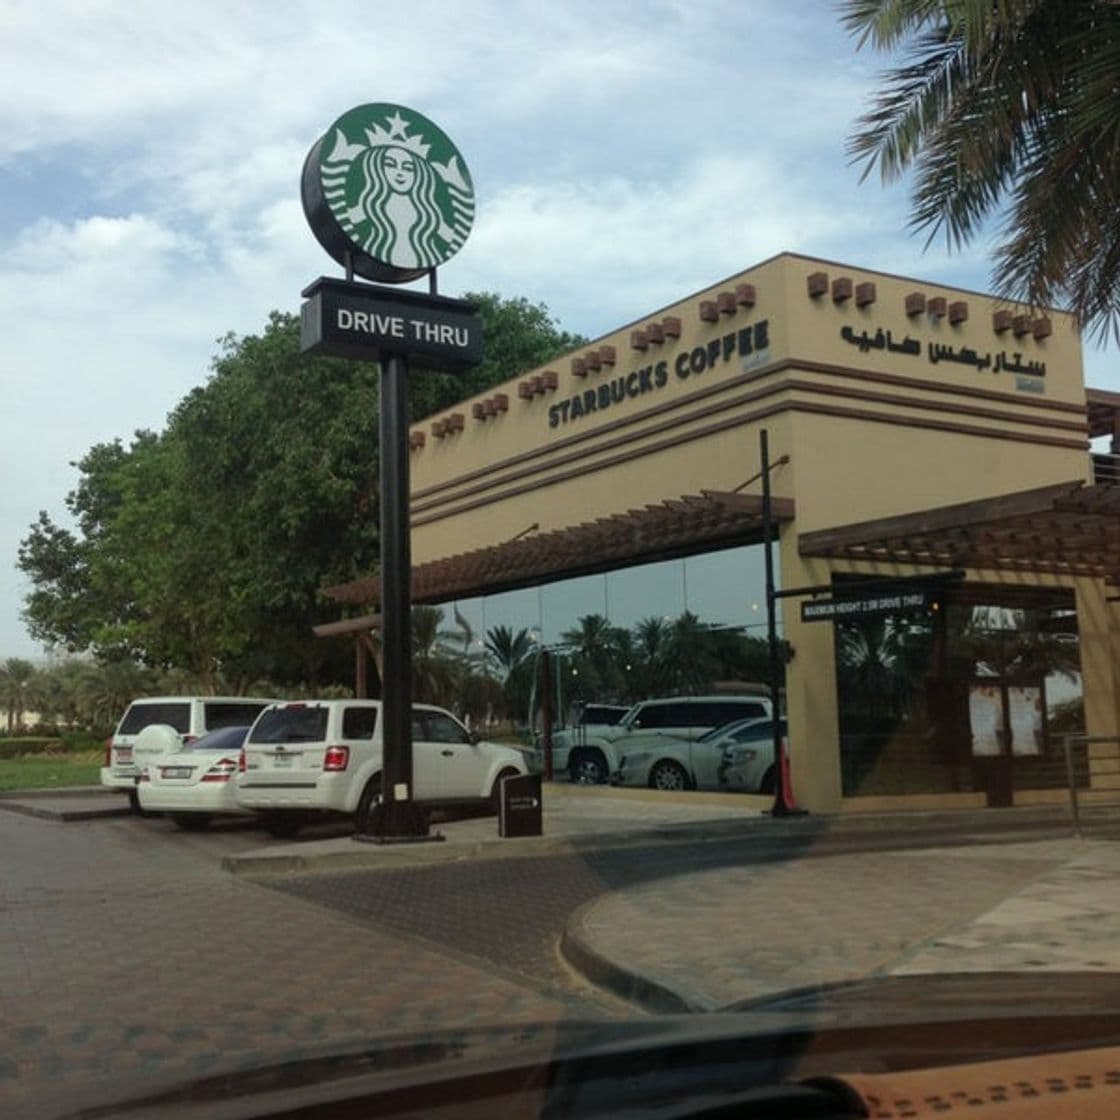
[(781, 807), (544, 683), (397, 816)]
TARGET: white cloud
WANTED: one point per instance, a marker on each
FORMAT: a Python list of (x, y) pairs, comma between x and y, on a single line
[(623, 154)]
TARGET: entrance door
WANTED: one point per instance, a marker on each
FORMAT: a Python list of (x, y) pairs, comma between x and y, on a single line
[(991, 740)]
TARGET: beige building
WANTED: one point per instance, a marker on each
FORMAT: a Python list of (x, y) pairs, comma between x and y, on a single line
[(914, 429)]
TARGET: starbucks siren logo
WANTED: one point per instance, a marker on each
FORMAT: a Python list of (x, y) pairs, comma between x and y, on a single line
[(387, 190)]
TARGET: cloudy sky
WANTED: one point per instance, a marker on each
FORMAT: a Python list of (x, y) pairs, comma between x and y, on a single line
[(623, 155)]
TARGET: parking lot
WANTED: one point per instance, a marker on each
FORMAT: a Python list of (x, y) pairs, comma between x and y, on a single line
[(132, 957), (129, 956)]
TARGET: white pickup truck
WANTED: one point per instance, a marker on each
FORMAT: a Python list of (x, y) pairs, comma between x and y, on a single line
[(591, 753)]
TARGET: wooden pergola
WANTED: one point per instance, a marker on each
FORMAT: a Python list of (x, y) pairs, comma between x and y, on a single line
[(1067, 529), (362, 628), (691, 524)]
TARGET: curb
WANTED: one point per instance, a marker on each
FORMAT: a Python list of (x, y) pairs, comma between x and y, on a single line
[(64, 791), (932, 831), (388, 857), (393, 857), (64, 814), (576, 949)]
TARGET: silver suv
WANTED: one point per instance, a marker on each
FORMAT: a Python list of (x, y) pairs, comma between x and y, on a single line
[(591, 754)]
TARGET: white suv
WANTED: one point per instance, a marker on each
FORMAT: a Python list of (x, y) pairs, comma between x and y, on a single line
[(592, 754), (302, 760), (189, 716)]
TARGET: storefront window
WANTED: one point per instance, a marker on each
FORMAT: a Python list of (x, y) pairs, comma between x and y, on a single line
[(973, 696), (679, 627)]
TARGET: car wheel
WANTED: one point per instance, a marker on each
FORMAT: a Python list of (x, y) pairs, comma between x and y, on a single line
[(366, 803), (667, 774), (135, 806), (588, 769), (496, 789), (769, 783), (284, 826), (192, 822)]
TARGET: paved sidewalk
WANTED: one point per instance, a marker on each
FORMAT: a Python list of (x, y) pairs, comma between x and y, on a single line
[(577, 819), (573, 816), (711, 939)]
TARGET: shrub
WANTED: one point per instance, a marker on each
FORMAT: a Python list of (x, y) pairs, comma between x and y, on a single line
[(14, 745)]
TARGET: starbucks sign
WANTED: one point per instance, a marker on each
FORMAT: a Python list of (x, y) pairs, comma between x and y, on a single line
[(387, 193)]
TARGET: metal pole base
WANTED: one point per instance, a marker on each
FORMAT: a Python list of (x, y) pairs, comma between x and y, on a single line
[(396, 822), (780, 810)]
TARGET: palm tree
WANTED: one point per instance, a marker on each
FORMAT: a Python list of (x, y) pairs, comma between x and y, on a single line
[(16, 676), (1006, 105), (511, 652), (436, 669), (508, 648), (881, 662), (692, 653), (596, 674), (1010, 643), (653, 672), (108, 687)]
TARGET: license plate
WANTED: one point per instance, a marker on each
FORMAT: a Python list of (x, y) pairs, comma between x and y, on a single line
[(283, 761), (124, 754), (175, 772)]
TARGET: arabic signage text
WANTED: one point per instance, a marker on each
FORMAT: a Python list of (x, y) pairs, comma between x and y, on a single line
[(1002, 362)]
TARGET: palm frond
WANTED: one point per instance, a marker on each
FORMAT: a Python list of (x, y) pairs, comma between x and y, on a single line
[(1006, 105)]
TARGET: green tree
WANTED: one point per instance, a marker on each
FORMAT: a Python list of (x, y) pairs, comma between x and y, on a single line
[(1006, 105), (204, 548), (518, 335)]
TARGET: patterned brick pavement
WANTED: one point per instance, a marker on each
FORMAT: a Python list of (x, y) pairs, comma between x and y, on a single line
[(127, 955), (719, 937), (1068, 918)]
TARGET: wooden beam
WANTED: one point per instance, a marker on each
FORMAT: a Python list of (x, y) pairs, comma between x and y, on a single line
[(347, 626), (830, 542)]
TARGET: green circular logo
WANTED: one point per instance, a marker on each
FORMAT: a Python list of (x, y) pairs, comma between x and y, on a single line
[(386, 191)]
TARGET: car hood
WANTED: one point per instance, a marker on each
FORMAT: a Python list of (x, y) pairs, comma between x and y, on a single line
[(606, 1068)]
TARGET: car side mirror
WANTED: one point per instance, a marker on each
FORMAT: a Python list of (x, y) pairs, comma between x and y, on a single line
[(474, 738)]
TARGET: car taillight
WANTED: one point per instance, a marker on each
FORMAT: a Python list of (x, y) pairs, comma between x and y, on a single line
[(242, 762), (222, 770), (336, 758), (109, 751)]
